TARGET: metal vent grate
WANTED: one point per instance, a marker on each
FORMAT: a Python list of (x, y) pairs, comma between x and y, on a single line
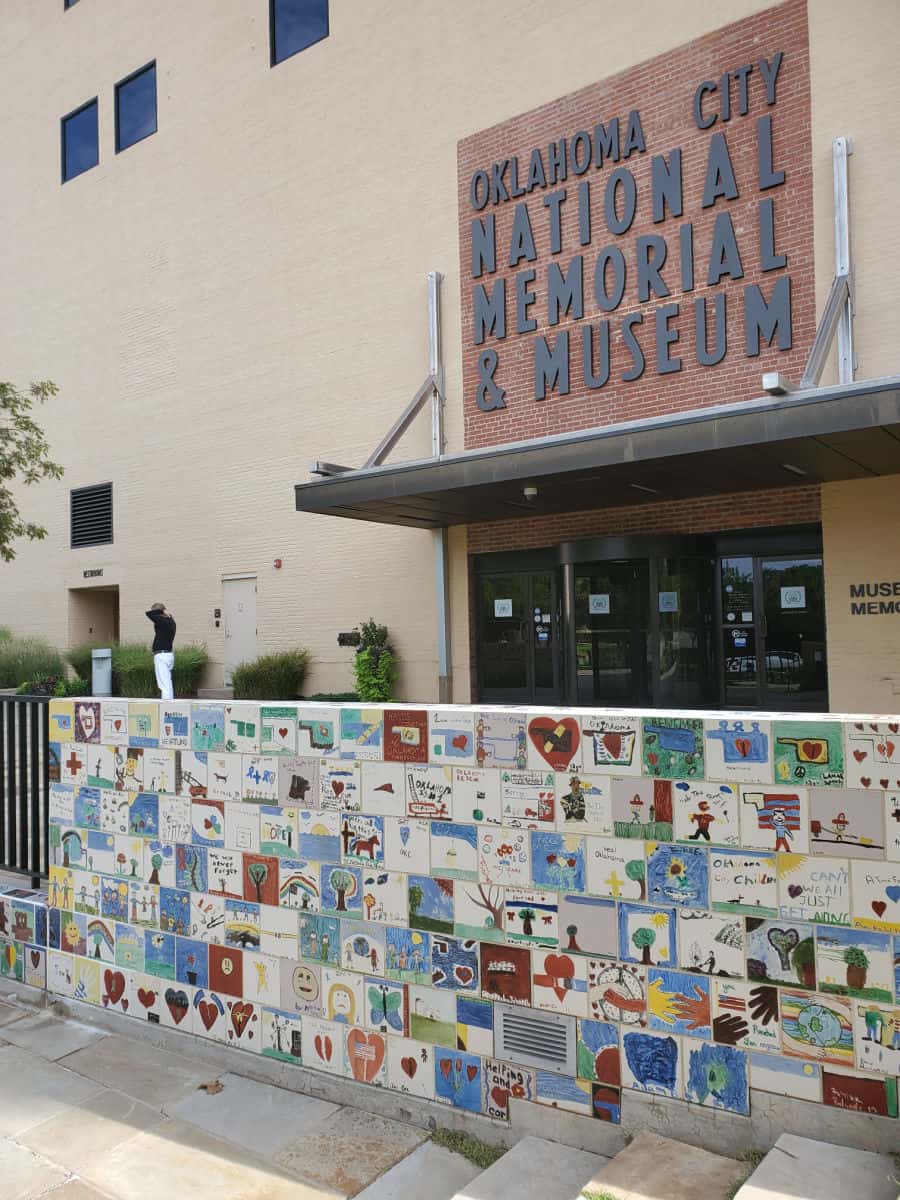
[(535, 1039), (92, 515)]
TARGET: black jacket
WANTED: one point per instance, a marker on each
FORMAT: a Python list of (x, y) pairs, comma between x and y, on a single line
[(165, 632)]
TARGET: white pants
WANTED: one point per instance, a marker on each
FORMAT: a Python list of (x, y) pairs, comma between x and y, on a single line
[(163, 664)]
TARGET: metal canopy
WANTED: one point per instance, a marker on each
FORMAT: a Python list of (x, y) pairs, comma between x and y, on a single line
[(818, 435)]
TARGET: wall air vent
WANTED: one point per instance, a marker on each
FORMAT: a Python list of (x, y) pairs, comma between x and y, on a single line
[(535, 1039), (92, 515)]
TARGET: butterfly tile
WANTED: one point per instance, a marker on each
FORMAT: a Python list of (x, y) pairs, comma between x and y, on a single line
[(386, 1006)]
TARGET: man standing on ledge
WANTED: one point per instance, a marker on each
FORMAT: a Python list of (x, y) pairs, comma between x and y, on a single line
[(163, 658)]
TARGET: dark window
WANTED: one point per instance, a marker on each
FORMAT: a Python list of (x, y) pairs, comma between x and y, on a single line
[(296, 24), (136, 107), (80, 145), (69, 3), (92, 515)]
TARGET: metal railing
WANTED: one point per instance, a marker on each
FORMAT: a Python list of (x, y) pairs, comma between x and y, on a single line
[(24, 784)]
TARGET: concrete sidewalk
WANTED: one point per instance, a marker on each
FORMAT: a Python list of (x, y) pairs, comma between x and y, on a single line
[(85, 1115)]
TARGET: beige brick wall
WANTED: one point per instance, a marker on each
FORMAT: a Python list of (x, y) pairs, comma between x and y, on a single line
[(246, 290)]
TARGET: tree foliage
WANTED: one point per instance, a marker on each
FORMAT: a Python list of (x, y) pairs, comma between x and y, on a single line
[(24, 458)]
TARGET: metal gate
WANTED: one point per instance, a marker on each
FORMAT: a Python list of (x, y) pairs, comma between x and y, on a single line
[(24, 784)]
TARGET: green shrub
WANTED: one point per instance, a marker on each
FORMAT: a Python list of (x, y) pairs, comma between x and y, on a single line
[(5, 633), (271, 677), (25, 659), (132, 668), (79, 659), (375, 667)]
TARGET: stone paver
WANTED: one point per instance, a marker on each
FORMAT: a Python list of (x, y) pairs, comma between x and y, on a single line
[(798, 1168), (350, 1150), (9, 1013), (76, 1189), (657, 1166), (93, 1130), (430, 1171), (32, 1090), (139, 1069), (48, 1036), (535, 1169), (25, 1176), (258, 1116)]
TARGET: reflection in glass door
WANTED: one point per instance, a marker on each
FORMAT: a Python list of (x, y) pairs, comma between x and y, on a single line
[(612, 632), (518, 643)]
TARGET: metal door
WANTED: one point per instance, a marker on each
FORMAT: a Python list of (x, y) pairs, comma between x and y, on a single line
[(239, 607)]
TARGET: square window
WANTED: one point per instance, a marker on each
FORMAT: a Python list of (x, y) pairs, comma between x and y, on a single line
[(80, 143), (136, 107), (296, 24)]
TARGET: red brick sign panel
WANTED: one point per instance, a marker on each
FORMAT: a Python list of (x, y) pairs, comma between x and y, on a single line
[(644, 245)]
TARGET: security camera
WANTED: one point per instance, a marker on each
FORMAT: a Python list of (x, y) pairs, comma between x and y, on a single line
[(529, 492)]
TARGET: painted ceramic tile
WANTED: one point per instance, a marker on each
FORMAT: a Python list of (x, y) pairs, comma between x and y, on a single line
[(175, 818), (873, 755), (775, 819), (129, 856), (226, 970), (528, 797), (72, 933), (743, 881), (225, 873), (739, 751), (207, 727), (62, 720), (860, 1093), (642, 808), (362, 733), (407, 955), (584, 804), (711, 944), (298, 781), (451, 737), (320, 939), (260, 779), (457, 1078), (279, 932), (407, 845), (143, 723), (190, 868), (159, 770), (717, 1077), (143, 815), (809, 752), (454, 963), (277, 831), (818, 1028), (785, 1076), (143, 904), (647, 935), (242, 827), (896, 941), (278, 728), (73, 764), (855, 962), (298, 884), (876, 1036), (478, 911), (598, 1052), (53, 762), (474, 1024), (502, 1082), (241, 729), (12, 965), (114, 898), (100, 933), (432, 1016), (34, 966), (500, 740), (559, 1091), (531, 917), (557, 861), (504, 856), (210, 1016), (301, 988), (782, 952), (366, 1053), (384, 789), (607, 1103), (554, 742), (611, 744), (191, 773), (130, 947), (385, 896), (362, 839), (587, 925), (191, 962), (159, 953), (207, 917), (241, 924), (60, 968), (86, 980), (318, 837), (429, 792), (175, 724), (101, 767), (506, 973), (406, 735), (118, 991), (706, 812), (673, 747), (88, 895), (746, 1015), (339, 786), (431, 903), (114, 811), (559, 982), (845, 822), (362, 947), (113, 723), (386, 1006), (679, 1002), (68, 847), (410, 1067), (476, 796), (167, 1006), (876, 896), (615, 867), (892, 819), (87, 807), (454, 850), (318, 732), (814, 889), (651, 1062), (281, 1035), (261, 978), (617, 991), (225, 776), (208, 822), (341, 886), (677, 874), (61, 804), (87, 722)]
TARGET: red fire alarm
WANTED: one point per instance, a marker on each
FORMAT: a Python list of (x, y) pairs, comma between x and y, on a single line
[(277, 564)]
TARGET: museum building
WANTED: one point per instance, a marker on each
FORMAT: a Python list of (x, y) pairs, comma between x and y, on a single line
[(604, 301)]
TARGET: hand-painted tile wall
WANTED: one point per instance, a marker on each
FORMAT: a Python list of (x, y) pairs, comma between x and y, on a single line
[(708, 903)]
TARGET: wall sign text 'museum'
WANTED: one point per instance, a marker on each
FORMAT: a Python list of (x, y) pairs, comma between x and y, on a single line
[(558, 197), (872, 599)]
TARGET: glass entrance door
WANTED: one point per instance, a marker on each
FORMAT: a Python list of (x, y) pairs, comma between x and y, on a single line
[(518, 638), (612, 632)]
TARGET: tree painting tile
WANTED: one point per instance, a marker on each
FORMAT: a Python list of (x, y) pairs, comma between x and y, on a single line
[(478, 911), (782, 952), (647, 935), (431, 904), (531, 917), (855, 962), (587, 925), (616, 868), (341, 890)]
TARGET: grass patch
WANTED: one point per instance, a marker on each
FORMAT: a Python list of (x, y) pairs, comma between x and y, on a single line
[(132, 668), (272, 677), (482, 1154), (25, 659)]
